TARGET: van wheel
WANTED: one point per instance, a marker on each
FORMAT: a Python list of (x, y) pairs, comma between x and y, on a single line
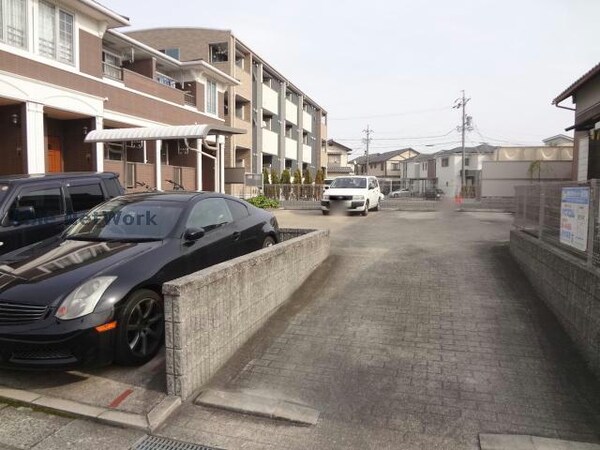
[(141, 328), (366, 211), (376, 206)]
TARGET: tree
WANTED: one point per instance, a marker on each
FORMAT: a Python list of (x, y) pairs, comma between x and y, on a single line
[(274, 177), (535, 167), (297, 177), (285, 177), (307, 177), (265, 176), (319, 177)]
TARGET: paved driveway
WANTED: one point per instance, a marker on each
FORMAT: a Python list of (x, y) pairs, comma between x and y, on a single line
[(418, 332)]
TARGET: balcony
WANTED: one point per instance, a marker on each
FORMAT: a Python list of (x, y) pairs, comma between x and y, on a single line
[(291, 112), (307, 154), (166, 80), (270, 99), (291, 149), (270, 142), (307, 121)]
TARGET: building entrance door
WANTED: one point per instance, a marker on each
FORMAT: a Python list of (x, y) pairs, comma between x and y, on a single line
[(54, 154)]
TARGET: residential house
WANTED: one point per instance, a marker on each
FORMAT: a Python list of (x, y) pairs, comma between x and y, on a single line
[(337, 159), (420, 173), (560, 140), (65, 71), (448, 169), (585, 94), (285, 128), (384, 165)]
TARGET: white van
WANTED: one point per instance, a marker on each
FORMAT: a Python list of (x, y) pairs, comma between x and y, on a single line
[(352, 194)]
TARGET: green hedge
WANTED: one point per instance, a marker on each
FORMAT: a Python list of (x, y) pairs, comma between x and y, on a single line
[(263, 202)]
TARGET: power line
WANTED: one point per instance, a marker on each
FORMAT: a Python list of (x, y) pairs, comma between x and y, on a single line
[(405, 138), (382, 116)]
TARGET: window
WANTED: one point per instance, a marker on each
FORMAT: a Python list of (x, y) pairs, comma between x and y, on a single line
[(289, 131), (467, 161), (55, 33), (85, 197), (444, 162), (239, 61), (13, 22), (211, 97), (305, 138), (334, 160), (382, 166), (239, 110), (113, 187), (424, 166), (218, 53), (396, 166), (209, 214), (268, 122), (238, 211), (172, 52), (111, 65), (43, 203)]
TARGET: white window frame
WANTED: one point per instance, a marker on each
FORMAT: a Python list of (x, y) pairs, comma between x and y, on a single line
[(4, 24), (58, 11), (211, 101)]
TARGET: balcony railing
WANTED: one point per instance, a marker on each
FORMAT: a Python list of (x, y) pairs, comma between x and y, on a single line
[(166, 80), (189, 99), (111, 71)]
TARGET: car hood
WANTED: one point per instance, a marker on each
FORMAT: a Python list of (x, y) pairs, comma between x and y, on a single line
[(345, 191), (43, 275)]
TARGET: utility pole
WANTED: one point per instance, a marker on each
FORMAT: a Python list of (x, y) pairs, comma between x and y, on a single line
[(367, 141), (462, 103)]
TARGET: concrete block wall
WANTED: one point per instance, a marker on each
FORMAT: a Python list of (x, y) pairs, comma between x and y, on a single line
[(210, 314), (569, 288)]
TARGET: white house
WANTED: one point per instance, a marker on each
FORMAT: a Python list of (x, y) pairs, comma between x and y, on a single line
[(448, 167)]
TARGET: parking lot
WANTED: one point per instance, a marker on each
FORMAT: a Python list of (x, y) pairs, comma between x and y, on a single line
[(417, 332)]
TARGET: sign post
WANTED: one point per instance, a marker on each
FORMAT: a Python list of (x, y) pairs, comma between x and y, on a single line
[(574, 217)]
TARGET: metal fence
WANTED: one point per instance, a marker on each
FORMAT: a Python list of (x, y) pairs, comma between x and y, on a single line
[(548, 212)]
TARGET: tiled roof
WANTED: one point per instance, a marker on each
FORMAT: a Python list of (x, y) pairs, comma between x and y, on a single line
[(381, 157), (577, 84), (480, 149), (333, 143), (339, 169)]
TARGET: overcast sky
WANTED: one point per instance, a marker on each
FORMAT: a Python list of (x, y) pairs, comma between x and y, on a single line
[(399, 65)]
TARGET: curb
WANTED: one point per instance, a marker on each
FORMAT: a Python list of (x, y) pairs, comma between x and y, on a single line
[(144, 422)]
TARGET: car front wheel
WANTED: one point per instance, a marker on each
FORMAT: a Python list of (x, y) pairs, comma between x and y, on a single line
[(268, 242), (366, 211), (141, 328)]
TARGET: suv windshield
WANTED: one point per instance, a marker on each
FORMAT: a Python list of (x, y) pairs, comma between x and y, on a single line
[(349, 183), (122, 220)]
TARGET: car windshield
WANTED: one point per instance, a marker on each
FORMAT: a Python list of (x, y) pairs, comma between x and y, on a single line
[(3, 191), (123, 220), (349, 183)]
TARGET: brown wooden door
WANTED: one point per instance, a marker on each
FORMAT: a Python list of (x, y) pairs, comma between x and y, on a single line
[(54, 155)]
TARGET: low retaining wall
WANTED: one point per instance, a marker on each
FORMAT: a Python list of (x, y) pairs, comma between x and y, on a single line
[(210, 314), (568, 287)]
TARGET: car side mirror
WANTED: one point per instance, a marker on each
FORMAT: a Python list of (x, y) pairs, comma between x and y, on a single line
[(193, 234)]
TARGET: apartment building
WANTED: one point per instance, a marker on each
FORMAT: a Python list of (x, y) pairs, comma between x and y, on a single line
[(284, 127), (65, 70), (337, 159)]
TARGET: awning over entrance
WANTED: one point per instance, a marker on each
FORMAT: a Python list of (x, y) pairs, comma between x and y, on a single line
[(161, 133)]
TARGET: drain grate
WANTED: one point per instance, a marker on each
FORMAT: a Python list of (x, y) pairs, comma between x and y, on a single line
[(160, 443)]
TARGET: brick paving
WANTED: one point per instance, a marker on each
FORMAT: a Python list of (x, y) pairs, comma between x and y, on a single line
[(419, 332)]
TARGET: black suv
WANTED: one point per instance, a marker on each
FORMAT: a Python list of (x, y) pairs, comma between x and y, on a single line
[(36, 207)]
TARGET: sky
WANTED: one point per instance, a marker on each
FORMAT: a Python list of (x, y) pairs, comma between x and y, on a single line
[(398, 66)]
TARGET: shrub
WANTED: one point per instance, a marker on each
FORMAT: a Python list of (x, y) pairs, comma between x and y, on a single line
[(307, 177), (263, 202), (285, 177), (274, 177), (297, 177), (265, 176)]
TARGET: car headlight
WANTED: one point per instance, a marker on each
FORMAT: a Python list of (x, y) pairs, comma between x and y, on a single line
[(326, 197), (83, 300), (358, 197)]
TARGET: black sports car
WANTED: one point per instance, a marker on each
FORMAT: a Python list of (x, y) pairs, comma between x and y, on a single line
[(93, 295)]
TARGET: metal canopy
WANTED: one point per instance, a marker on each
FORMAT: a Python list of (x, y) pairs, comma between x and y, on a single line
[(160, 133)]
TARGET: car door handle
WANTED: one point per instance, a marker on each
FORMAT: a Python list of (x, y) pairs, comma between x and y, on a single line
[(236, 235)]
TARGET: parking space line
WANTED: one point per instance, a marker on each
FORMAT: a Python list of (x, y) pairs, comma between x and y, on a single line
[(120, 398)]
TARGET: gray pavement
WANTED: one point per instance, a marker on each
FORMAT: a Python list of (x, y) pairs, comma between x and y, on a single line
[(418, 332)]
